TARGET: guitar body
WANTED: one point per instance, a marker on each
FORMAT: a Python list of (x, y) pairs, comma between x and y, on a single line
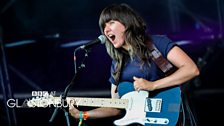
[(160, 108)]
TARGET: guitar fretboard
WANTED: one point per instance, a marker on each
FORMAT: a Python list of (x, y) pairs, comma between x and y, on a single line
[(98, 102)]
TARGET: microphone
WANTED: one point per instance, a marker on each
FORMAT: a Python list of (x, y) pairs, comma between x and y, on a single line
[(101, 39)]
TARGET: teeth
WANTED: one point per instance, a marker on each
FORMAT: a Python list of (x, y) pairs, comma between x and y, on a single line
[(110, 35)]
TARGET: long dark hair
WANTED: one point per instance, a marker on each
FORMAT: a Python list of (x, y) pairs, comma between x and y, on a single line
[(135, 34)]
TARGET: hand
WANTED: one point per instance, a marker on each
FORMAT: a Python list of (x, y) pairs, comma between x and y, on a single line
[(143, 84), (74, 112)]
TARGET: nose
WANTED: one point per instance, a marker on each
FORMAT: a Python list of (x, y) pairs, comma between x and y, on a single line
[(106, 28)]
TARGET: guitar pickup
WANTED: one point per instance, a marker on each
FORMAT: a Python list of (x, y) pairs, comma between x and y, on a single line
[(153, 105)]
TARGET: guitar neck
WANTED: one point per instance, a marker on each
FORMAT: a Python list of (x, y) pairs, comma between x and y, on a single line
[(98, 102)]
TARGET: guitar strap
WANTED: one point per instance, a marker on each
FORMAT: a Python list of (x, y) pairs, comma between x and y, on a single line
[(161, 62)]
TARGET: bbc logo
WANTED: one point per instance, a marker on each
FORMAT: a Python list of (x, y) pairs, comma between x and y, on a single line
[(43, 93)]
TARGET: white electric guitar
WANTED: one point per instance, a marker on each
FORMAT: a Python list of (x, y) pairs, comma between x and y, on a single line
[(162, 109)]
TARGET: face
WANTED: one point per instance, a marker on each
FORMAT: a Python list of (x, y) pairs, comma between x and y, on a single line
[(114, 31)]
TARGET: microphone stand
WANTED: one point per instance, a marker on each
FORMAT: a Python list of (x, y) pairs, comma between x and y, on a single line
[(68, 87)]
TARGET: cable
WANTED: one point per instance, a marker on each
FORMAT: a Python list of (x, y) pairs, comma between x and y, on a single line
[(183, 113), (191, 116)]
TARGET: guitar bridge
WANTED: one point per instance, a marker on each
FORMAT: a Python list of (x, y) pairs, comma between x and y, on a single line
[(162, 121)]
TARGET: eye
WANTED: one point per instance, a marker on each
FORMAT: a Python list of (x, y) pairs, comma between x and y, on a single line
[(111, 22)]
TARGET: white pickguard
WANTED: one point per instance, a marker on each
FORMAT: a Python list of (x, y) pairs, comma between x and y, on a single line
[(135, 111)]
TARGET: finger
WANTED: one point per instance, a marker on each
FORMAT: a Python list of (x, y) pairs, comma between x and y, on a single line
[(72, 102), (71, 107), (135, 85), (135, 78), (72, 110), (139, 89)]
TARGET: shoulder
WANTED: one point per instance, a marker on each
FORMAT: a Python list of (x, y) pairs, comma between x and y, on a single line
[(158, 39), (163, 43)]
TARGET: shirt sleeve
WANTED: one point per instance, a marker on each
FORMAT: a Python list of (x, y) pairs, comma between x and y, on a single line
[(164, 44)]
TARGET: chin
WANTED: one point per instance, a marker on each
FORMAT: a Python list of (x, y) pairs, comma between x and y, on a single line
[(117, 47)]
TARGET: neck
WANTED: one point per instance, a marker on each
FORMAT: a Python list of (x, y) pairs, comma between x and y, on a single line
[(126, 47)]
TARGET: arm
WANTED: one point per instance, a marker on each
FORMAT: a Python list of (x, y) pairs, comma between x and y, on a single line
[(98, 112), (187, 70)]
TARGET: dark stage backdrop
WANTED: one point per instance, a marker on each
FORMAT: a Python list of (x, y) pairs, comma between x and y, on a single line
[(38, 39)]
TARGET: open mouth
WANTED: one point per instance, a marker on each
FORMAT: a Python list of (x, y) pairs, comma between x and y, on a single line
[(112, 37)]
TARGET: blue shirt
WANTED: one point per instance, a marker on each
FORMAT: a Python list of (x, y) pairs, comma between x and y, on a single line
[(133, 68)]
